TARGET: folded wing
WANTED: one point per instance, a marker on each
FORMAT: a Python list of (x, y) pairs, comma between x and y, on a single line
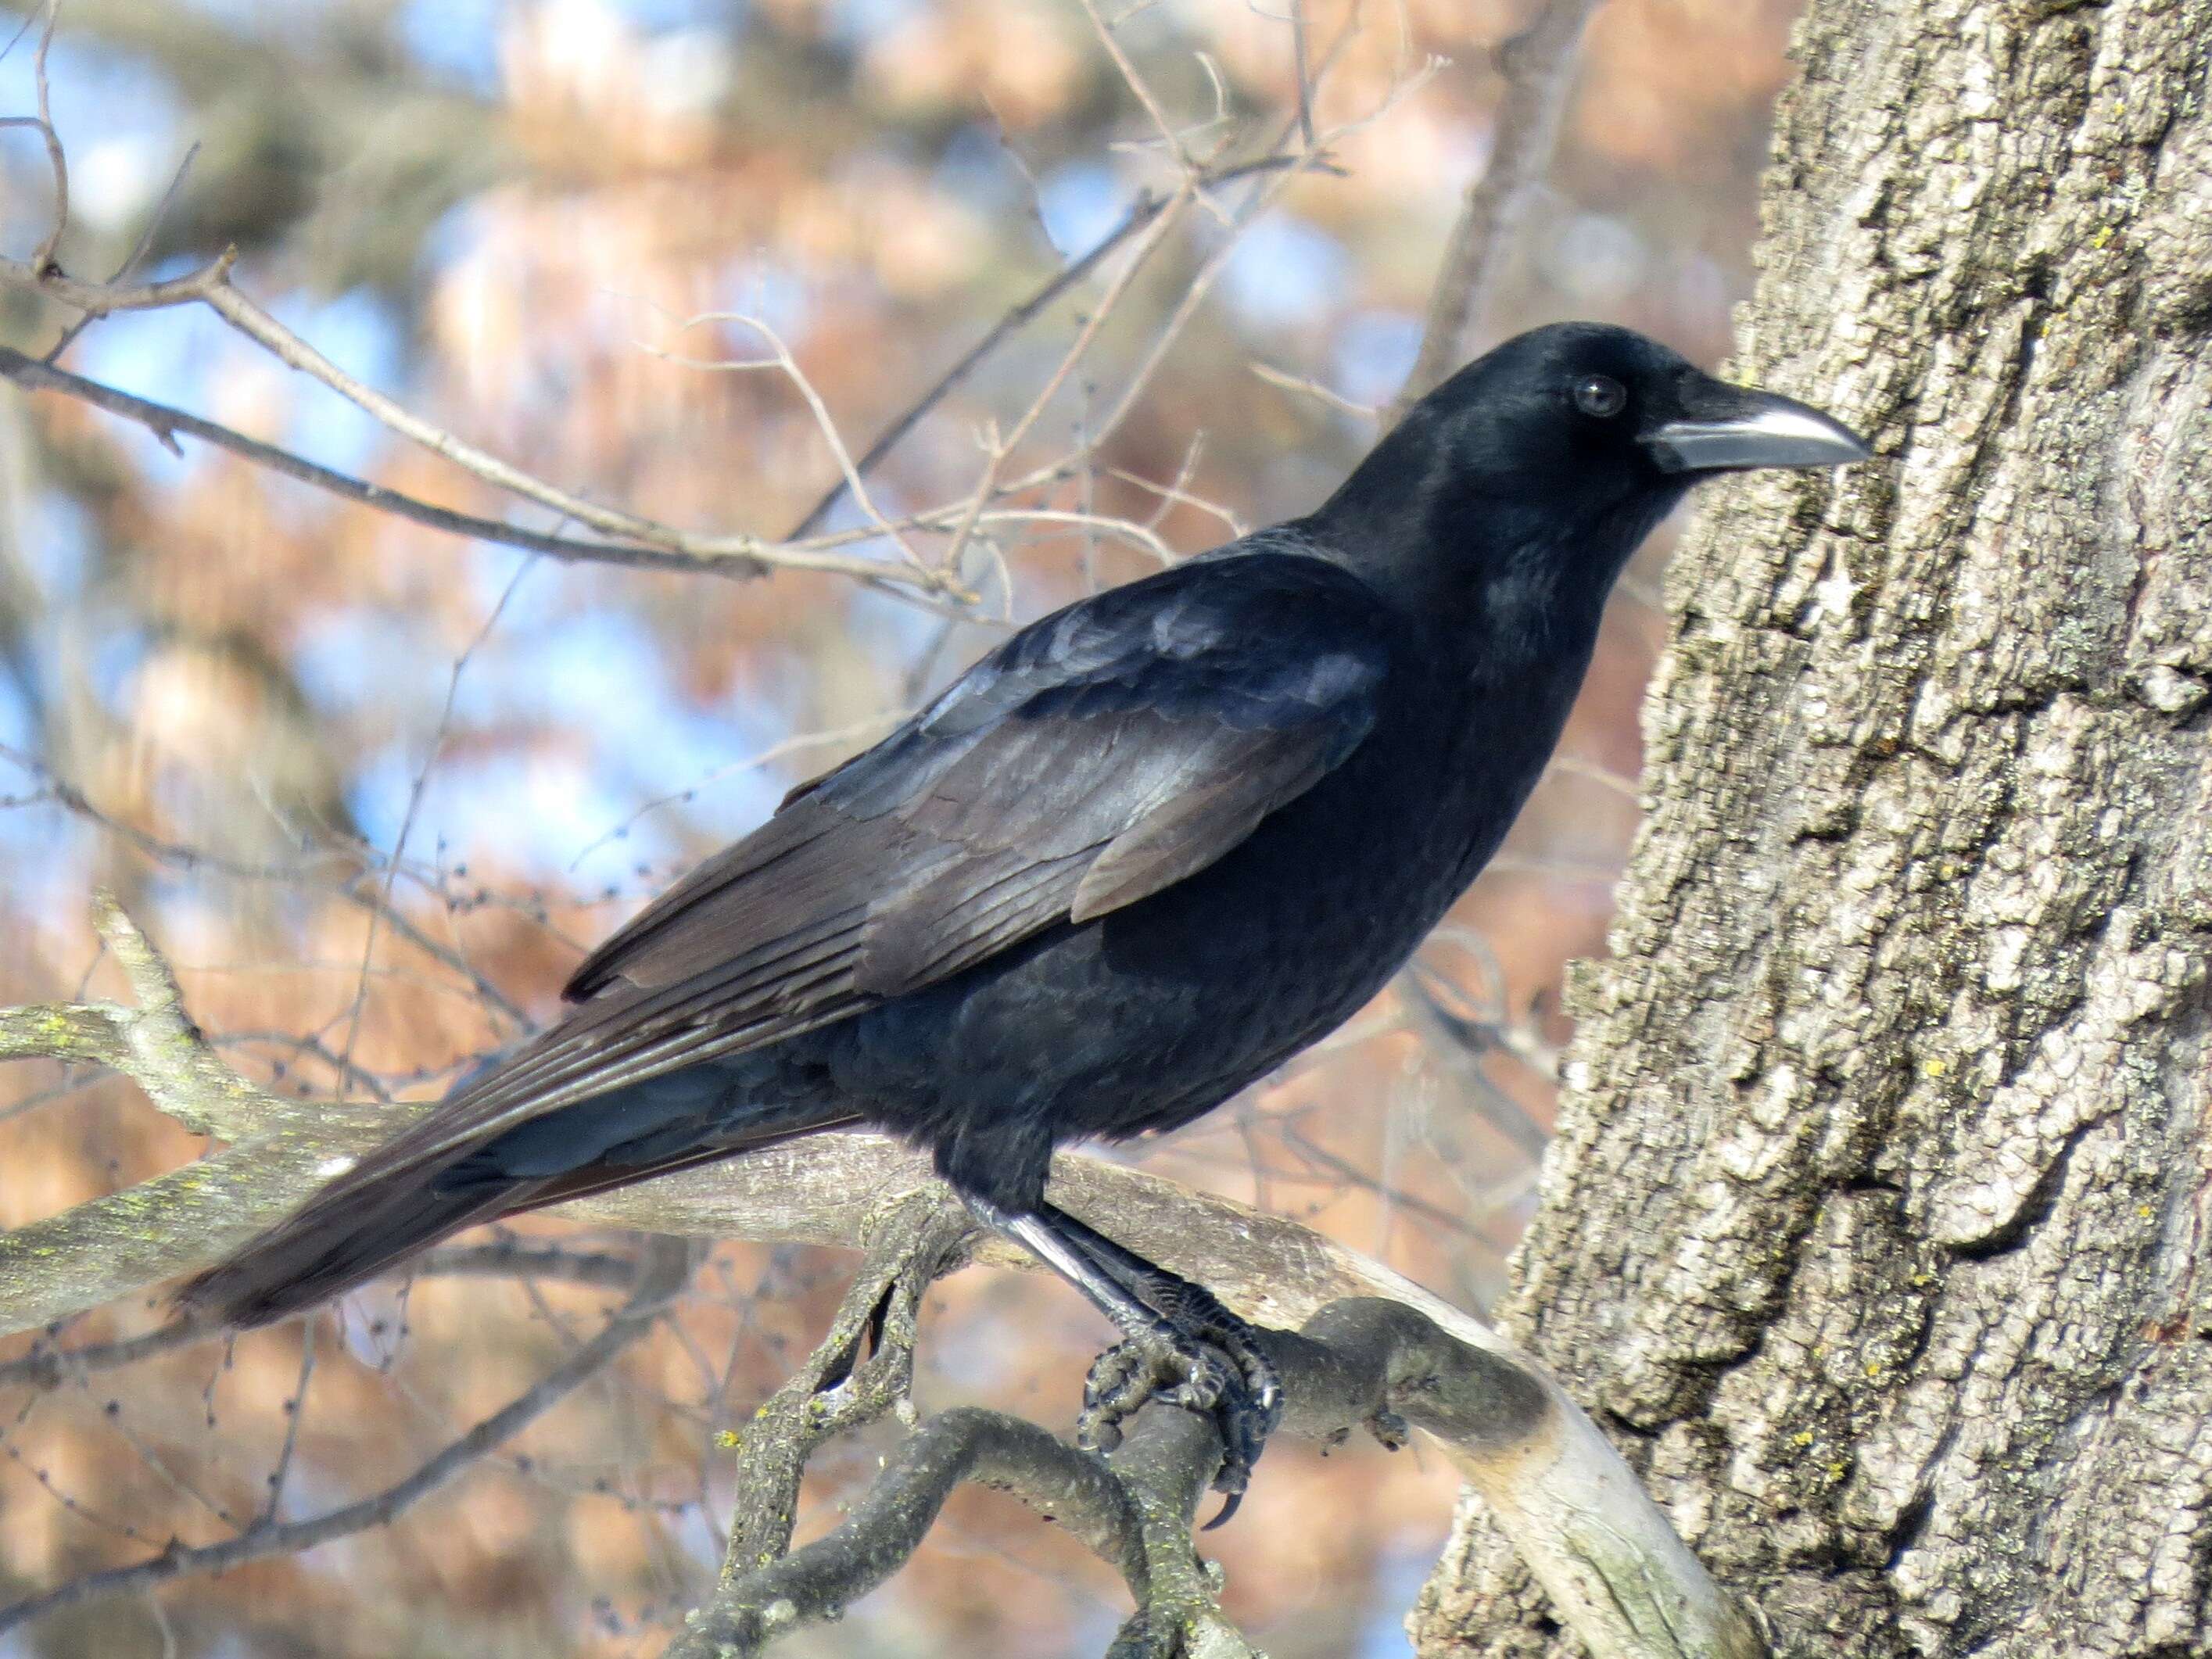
[(1099, 755)]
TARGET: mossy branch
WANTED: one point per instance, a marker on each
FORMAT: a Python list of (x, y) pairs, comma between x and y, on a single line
[(1621, 1578)]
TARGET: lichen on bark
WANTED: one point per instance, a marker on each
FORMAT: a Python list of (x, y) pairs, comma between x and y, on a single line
[(1873, 1225)]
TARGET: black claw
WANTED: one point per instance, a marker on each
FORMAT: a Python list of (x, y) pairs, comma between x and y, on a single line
[(1210, 1365)]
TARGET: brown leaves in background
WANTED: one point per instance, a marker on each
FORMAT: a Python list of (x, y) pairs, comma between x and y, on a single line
[(225, 695)]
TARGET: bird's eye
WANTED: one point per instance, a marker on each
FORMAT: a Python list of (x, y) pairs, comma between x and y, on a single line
[(1601, 395)]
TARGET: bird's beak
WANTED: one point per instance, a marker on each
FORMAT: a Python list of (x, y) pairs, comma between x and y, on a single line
[(1726, 428)]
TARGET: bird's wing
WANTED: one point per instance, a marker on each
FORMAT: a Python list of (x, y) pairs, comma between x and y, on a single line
[(1100, 755)]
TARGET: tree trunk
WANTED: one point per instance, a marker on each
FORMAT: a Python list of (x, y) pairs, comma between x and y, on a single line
[(1874, 1221)]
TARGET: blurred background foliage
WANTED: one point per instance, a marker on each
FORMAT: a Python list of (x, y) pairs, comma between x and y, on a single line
[(351, 773)]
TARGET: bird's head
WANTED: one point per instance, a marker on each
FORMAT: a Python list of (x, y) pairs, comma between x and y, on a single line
[(1609, 409), (1566, 444)]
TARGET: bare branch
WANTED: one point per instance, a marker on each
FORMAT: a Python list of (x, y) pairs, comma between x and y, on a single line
[(990, 1448), (139, 250), (916, 1240), (645, 543), (48, 1367), (797, 743), (781, 359), (228, 302), (100, 299), (1172, 140), (165, 423), (1619, 1576), (1262, 197), (640, 541), (1001, 448), (668, 1264), (1363, 1362), (1177, 494), (1314, 389), (1146, 208), (1538, 64), (42, 257), (512, 1258)]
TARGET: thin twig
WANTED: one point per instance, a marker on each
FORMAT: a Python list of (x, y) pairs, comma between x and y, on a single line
[(311, 1047), (657, 545), (1314, 389), (1264, 195), (294, 1409), (230, 304), (48, 1367), (768, 757), (138, 250), (42, 257), (377, 912), (353, 888), (1146, 208), (1169, 138), (1001, 448), (165, 423), (667, 1265), (1538, 64), (1178, 494), (1299, 69), (512, 1258), (783, 361)]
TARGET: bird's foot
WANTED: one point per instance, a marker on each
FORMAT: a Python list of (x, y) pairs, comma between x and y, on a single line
[(1211, 1365)]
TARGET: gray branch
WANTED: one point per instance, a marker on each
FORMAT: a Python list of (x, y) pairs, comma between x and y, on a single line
[(1363, 1362), (1620, 1577)]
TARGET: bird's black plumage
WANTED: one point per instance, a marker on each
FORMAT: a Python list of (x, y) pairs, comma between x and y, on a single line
[(1150, 847)]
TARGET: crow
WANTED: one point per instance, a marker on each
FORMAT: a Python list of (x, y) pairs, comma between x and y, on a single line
[(1151, 846)]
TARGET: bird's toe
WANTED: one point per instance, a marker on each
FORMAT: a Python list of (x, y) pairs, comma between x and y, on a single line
[(1220, 1372)]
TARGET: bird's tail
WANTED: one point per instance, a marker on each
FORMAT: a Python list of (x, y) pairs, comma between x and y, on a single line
[(343, 1237), (393, 1204)]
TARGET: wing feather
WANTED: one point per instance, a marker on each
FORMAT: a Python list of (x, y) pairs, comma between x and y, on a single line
[(1183, 834), (1095, 759)]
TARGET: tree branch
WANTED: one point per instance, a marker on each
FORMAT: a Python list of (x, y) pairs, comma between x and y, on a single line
[(1358, 1363), (165, 421), (918, 1238), (667, 1265), (990, 1448), (1619, 1576), (515, 1258), (48, 1367), (1147, 207), (43, 257), (1538, 64), (638, 541)]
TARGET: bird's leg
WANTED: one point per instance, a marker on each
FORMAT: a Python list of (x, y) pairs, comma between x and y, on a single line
[(1180, 1344), (1126, 1376)]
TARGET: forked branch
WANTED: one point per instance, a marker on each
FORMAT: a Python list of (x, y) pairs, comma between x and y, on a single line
[(1618, 1575)]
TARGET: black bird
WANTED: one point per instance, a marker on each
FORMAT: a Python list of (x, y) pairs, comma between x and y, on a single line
[(1147, 849)]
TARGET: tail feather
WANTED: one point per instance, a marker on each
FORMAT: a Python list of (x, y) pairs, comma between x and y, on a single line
[(392, 1205), (333, 1242)]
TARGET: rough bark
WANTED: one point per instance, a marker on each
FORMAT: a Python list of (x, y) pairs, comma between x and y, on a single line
[(1872, 1225)]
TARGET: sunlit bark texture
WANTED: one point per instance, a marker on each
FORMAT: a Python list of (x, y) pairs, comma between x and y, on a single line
[(1874, 1224)]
